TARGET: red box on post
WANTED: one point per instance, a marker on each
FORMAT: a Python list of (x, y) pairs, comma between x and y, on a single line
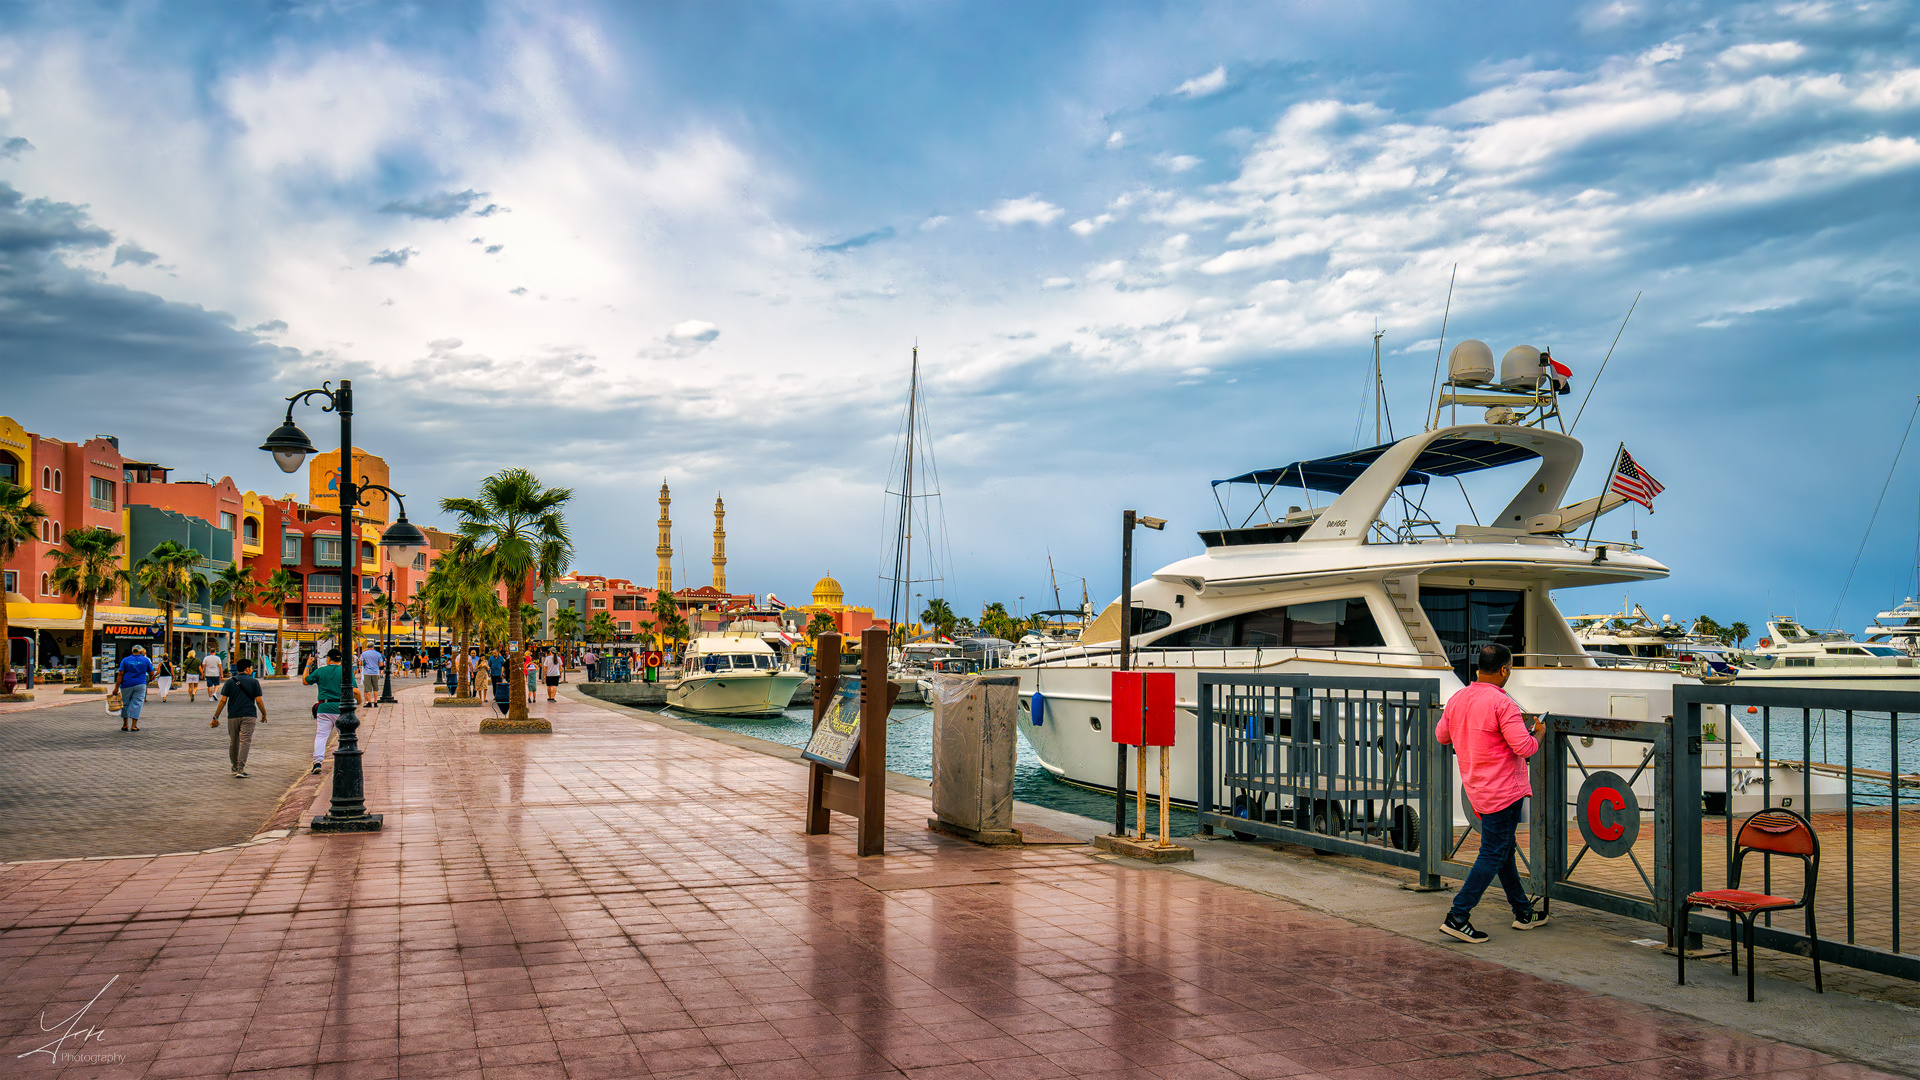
[(1157, 708), (1142, 713), (1124, 717)]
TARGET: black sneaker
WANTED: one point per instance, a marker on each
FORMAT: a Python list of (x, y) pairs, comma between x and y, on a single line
[(1465, 932), (1530, 919), (316, 766)]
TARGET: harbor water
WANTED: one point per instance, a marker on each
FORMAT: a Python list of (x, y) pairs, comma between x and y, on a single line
[(910, 752)]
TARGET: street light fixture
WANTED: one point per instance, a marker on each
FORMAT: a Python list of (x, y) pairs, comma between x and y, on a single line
[(290, 447), (386, 689), (1128, 520)]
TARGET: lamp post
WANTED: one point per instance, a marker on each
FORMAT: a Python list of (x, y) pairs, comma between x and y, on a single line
[(386, 688), (289, 447), (1128, 520)]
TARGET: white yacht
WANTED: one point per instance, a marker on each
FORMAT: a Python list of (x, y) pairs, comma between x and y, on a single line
[(1898, 626), (1631, 638), (733, 675), (1793, 655), (1344, 590)]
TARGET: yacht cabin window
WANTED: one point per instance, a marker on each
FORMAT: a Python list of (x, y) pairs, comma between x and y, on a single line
[(1466, 619), (1329, 624)]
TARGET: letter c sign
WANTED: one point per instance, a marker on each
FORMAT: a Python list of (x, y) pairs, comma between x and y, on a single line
[(1609, 814)]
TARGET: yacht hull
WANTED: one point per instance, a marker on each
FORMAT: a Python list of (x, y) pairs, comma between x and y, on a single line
[(749, 694)]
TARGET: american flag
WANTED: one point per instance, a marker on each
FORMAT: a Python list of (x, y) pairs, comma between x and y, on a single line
[(1634, 482)]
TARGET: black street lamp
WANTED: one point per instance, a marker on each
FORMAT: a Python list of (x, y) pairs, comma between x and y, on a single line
[(289, 447), (386, 691)]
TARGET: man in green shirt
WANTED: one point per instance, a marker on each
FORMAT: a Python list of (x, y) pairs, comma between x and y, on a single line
[(328, 677)]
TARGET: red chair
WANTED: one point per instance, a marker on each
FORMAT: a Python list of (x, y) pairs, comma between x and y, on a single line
[(1777, 831)]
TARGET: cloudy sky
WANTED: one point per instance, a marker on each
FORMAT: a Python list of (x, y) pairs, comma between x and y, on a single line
[(1140, 247)]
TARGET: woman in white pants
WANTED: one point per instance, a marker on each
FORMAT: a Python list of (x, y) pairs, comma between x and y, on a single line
[(163, 674)]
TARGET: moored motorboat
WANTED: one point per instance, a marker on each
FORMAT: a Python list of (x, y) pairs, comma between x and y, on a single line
[(733, 676)]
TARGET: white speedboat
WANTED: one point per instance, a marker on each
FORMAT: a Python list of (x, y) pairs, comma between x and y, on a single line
[(1345, 590), (728, 675), (1793, 655)]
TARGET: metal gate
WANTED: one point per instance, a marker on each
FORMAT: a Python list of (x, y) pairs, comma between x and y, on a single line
[(1342, 765), (1850, 761)]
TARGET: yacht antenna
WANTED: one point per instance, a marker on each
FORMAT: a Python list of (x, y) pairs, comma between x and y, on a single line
[(1834, 619), (1055, 577), (1379, 387), (1603, 364), (1440, 350)]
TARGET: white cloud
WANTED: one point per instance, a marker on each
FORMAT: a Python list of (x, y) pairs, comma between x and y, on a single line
[(1116, 140), (1057, 283), (693, 330), (1757, 54), (1030, 210), (934, 222), (1176, 163), (1089, 226), (1201, 85)]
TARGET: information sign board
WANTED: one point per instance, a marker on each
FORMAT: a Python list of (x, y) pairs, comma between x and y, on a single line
[(837, 736)]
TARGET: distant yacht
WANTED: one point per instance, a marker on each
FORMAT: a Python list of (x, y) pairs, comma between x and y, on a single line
[(1793, 655), (1898, 626), (1631, 638)]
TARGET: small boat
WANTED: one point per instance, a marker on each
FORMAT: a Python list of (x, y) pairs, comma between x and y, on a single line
[(1631, 638), (730, 675), (1898, 626)]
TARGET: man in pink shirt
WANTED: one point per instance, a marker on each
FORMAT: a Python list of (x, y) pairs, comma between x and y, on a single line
[(1492, 743)]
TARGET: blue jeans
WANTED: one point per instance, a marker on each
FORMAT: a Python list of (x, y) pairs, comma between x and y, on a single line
[(1496, 857), (131, 698)]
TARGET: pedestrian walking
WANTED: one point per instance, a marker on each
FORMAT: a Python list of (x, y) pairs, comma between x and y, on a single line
[(327, 678), (190, 668), (1492, 743), (553, 669), (369, 675), (132, 684), (245, 705), (163, 674), (529, 658), (212, 668)]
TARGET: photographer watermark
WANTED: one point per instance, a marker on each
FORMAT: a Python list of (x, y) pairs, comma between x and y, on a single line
[(59, 1053)]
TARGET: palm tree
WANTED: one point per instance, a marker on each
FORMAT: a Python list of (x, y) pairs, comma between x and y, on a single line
[(676, 631), (665, 611), (165, 574), (566, 625), (279, 591), (20, 519), (939, 615), (821, 623), (530, 614), (517, 531), (88, 569), (235, 589), (1739, 632), (601, 628)]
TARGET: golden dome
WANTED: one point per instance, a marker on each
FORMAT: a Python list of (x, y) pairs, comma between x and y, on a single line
[(828, 593)]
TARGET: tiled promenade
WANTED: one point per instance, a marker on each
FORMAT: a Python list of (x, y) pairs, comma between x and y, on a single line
[(620, 900)]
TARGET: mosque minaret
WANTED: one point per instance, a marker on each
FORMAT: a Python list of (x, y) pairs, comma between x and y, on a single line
[(665, 551), (719, 544)]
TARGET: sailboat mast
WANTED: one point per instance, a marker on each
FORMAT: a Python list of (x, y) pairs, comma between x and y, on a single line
[(1379, 387), (903, 541)]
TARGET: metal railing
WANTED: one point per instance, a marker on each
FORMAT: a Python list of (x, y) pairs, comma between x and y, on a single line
[(1251, 656), (1342, 765), (1849, 760)]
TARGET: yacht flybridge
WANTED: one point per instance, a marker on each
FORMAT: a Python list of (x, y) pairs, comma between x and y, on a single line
[(1350, 589)]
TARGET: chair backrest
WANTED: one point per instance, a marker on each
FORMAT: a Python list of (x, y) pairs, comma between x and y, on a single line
[(1778, 831)]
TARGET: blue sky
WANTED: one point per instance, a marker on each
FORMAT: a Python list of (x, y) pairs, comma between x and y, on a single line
[(1141, 247)]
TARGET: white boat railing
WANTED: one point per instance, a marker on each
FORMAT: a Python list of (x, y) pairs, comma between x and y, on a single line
[(1234, 658)]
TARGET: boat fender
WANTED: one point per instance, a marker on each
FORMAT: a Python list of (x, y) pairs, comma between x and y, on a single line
[(1039, 709)]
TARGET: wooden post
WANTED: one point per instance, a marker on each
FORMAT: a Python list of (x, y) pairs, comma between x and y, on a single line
[(1140, 789), (826, 683), (1165, 771), (877, 693)]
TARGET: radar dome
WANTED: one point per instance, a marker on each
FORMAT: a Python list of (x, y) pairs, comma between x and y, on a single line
[(1470, 363), (1520, 368)]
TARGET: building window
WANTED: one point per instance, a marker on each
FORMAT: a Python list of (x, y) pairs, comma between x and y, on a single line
[(56, 480), (56, 532), (626, 627), (12, 582), (46, 478), (416, 588), (250, 531), (323, 583), (101, 496), (599, 602), (420, 561), (366, 552), (226, 522), (9, 468), (623, 603), (290, 548), (326, 550), (46, 584)]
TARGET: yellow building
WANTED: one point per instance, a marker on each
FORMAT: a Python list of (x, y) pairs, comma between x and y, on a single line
[(830, 599), (323, 482)]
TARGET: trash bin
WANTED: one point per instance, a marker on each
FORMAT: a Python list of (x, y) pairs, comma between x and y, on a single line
[(974, 717)]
